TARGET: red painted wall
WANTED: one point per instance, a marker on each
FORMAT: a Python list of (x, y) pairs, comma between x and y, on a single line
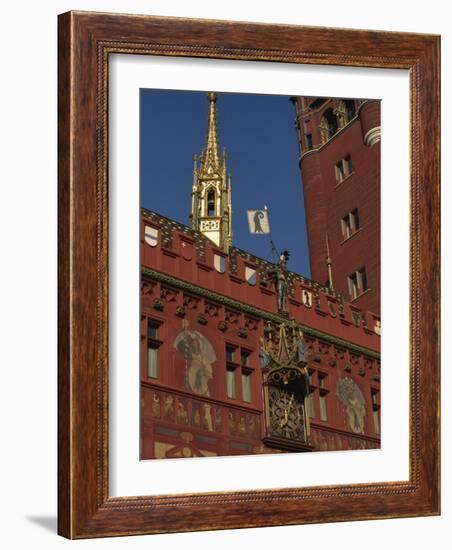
[(336, 341)]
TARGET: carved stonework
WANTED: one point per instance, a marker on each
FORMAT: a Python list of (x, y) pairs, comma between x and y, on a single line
[(242, 332), (180, 311), (211, 309), (286, 386), (168, 294), (222, 326), (190, 302), (157, 304)]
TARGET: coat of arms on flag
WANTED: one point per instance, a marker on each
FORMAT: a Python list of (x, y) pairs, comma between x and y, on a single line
[(258, 222)]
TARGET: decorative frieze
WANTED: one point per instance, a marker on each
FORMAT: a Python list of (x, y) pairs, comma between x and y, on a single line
[(191, 302)]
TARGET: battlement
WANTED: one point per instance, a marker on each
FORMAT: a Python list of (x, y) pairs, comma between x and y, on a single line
[(186, 256)]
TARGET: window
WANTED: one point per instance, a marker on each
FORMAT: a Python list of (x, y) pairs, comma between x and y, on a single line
[(246, 386), (230, 353), (153, 329), (311, 404), (238, 373), (308, 141), (328, 125), (244, 358), (230, 383), (345, 111), (230, 370), (376, 417), (311, 396), (153, 361), (350, 224), (153, 348), (357, 283), (323, 392), (343, 168), (350, 109), (246, 375), (211, 203), (322, 403), (376, 410)]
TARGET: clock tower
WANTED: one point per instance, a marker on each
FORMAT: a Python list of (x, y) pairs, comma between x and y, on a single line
[(211, 211)]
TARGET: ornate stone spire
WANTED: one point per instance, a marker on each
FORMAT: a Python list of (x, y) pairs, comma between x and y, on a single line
[(211, 212), (210, 160)]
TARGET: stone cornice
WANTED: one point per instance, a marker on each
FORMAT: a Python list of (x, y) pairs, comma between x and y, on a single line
[(252, 310)]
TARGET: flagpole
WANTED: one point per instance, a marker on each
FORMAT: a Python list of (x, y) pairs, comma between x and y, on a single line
[(272, 244)]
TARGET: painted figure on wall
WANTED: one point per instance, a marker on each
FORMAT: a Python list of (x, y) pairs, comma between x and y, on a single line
[(199, 356), (353, 400)]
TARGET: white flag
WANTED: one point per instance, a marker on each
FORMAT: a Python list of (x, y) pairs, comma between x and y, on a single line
[(258, 222)]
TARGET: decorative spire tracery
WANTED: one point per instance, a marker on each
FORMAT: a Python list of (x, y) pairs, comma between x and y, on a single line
[(211, 191)]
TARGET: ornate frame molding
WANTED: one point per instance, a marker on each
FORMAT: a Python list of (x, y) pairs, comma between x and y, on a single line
[(85, 508)]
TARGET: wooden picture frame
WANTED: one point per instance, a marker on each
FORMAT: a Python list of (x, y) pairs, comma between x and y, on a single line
[(85, 508)]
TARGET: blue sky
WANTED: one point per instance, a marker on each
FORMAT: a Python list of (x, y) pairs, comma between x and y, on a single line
[(261, 144)]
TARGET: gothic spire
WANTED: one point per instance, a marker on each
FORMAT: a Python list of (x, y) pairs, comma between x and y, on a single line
[(210, 160), (211, 208)]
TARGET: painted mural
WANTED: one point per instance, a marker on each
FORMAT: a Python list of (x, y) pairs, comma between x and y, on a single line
[(354, 403), (199, 357)]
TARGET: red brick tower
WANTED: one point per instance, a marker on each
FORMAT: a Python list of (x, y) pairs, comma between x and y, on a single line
[(340, 168)]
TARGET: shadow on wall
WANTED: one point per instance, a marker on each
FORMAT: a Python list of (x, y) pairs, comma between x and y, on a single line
[(49, 523)]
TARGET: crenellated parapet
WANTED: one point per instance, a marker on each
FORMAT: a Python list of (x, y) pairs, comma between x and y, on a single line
[(187, 260)]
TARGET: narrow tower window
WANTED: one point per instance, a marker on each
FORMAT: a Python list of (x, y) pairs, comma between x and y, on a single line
[(328, 125), (211, 203), (357, 283), (343, 168), (350, 224)]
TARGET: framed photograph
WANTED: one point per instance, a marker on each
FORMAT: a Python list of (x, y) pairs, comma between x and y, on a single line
[(248, 275)]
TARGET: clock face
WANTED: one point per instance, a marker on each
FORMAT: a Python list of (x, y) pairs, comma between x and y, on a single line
[(286, 414)]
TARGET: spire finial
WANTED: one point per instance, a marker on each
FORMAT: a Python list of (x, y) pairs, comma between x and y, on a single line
[(212, 156)]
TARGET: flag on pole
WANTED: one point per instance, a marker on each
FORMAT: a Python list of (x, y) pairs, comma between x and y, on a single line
[(258, 222)]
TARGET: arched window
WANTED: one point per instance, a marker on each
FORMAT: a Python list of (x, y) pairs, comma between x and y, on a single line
[(350, 109), (211, 203), (345, 112), (328, 125)]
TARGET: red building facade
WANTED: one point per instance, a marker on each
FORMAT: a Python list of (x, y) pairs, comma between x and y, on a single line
[(225, 368), (340, 166)]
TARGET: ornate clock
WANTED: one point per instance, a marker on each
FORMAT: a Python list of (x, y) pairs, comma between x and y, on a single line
[(286, 414), (286, 387)]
